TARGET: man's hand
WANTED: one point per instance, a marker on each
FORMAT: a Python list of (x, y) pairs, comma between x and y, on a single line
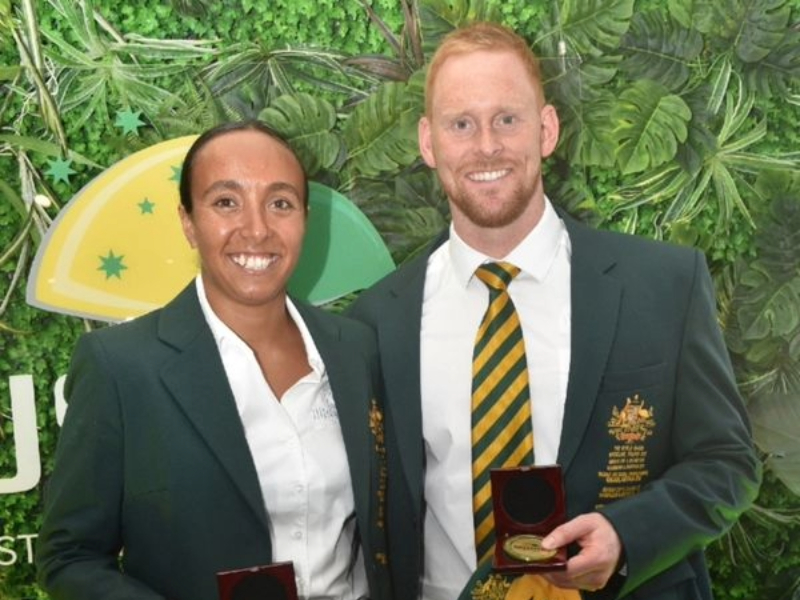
[(598, 558)]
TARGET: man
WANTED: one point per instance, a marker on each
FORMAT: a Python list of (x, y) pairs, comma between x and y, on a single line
[(631, 389)]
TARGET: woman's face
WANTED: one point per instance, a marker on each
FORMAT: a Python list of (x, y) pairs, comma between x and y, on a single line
[(248, 218)]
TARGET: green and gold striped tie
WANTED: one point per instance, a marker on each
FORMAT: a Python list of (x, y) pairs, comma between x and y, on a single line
[(502, 435)]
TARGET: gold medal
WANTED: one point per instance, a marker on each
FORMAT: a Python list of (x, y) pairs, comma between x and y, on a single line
[(527, 548)]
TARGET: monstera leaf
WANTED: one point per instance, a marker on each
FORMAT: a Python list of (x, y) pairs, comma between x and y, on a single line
[(592, 26), (762, 27), (651, 124), (408, 210), (779, 71), (764, 335), (381, 132), (753, 29), (776, 430), (440, 17), (660, 49), (307, 122), (587, 135), (770, 305)]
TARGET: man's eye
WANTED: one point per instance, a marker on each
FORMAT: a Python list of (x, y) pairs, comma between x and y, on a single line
[(507, 120), (461, 125)]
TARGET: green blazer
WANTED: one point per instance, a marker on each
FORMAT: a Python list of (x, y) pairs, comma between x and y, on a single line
[(152, 460), (644, 328)]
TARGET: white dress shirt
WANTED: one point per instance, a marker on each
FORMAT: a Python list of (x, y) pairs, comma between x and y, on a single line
[(298, 450), (453, 305)]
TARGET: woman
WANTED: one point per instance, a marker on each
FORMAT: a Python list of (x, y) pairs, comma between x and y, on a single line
[(233, 428)]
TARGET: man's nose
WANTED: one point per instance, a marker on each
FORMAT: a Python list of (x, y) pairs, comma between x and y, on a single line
[(489, 142)]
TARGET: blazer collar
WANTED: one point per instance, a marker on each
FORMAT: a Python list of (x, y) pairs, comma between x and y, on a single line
[(197, 381), (596, 296), (400, 363)]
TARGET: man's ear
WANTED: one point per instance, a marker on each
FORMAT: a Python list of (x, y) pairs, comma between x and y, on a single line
[(425, 144), (550, 129)]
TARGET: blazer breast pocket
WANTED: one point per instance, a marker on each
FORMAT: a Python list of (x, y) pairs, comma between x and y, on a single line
[(634, 380)]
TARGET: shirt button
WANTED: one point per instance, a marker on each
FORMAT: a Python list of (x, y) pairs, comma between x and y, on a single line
[(297, 535), (298, 489)]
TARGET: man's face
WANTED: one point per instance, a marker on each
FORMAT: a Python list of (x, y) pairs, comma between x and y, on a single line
[(248, 218), (486, 135)]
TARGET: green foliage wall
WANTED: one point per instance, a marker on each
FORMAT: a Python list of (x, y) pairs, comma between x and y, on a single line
[(264, 47)]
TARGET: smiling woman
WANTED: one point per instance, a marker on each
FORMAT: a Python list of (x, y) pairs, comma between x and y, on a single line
[(230, 429), (243, 208)]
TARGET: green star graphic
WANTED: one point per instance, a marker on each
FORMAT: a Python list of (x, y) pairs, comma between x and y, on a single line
[(112, 265), (129, 121), (146, 206), (60, 170), (176, 174)]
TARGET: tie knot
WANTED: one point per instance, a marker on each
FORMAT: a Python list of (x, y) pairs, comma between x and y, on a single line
[(497, 275)]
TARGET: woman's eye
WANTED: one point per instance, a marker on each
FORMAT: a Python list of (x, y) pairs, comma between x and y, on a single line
[(225, 202), (283, 204)]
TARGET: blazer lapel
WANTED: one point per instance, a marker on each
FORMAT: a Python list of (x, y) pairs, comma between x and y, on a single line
[(198, 383), (400, 356), (595, 303)]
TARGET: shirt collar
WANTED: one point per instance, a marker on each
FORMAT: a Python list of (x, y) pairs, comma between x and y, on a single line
[(224, 334), (534, 255)]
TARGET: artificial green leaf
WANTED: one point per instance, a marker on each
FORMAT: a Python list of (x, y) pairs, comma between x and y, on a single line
[(768, 291), (700, 141), (681, 11), (775, 419), (308, 122), (380, 134), (5, 10), (278, 72), (592, 26), (8, 73), (726, 188), (752, 29), (651, 123), (380, 66), (772, 309), (440, 17), (13, 198), (779, 71), (762, 28), (408, 211), (587, 135), (722, 72), (660, 49), (95, 63), (572, 80), (44, 147)]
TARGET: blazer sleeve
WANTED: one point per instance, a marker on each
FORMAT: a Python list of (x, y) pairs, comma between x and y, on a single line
[(80, 539), (715, 472)]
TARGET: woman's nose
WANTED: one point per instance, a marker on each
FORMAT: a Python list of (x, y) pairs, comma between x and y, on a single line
[(256, 222)]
